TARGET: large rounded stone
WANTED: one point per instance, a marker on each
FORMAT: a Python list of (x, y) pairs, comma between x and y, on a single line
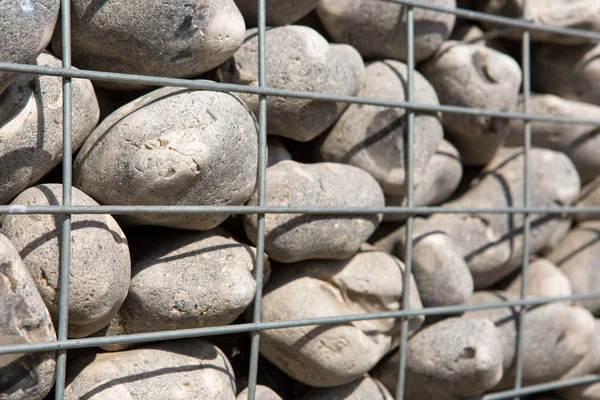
[(492, 243), (181, 369), (100, 267), (544, 279), (373, 137), (589, 197), (26, 28), (298, 58), (365, 388), (279, 12), (31, 126), (296, 237), (335, 354), (378, 28), (475, 76), (172, 147), (23, 319), (153, 37)]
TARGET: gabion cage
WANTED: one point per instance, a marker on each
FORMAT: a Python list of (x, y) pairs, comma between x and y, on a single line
[(410, 211)]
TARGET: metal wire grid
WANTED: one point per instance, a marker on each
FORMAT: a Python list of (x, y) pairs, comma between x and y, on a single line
[(256, 326)]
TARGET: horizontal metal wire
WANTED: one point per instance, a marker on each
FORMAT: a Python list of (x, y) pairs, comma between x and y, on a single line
[(540, 388), (250, 327)]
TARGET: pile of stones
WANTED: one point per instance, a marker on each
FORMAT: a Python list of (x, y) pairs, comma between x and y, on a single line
[(139, 145)]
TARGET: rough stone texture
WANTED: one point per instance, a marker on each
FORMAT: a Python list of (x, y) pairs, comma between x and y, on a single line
[(556, 337), (454, 358), (276, 151), (31, 130), (262, 393), (182, 280), (441, 273), (23, 319), (181, 369), (544, 279), (442, 177), (578, 257), (571, 72), (365, 388), (589, 197), (372, 137), (280, 12), (378, 28), (26, 28), (492, 243), (172, 147), (300, 59), (296, 237), (475, 76), (100, 267), (333, 355), (581, 143), (152, 37)]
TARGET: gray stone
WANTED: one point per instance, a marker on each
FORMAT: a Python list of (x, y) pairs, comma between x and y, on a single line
[(167, 38), (571, 72), (297, 237), (262, 393), (298, 58), (581, 143), (100, 267), (279, 12), (442, 177), (185, 279), (492, 243), (475, 76), (336, 354), (26, 28), (372, 137), (452, 359), (578, 257), (181, 369), (544, 279), (589, 197), (23, 319), (172, 147), (365, 388), (378, 28), (276, 151), (31, 128)]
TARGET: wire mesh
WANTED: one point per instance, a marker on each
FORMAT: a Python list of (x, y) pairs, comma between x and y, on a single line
[(256, 326)]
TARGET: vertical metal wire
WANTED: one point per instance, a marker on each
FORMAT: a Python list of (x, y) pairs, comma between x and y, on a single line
[(262, 180), (65, 231), (526, 61), (409, 177)]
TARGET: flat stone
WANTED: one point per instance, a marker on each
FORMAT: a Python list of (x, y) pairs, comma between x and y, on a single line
[(155, 37), (31, 127), (23, 319), (279, 12), (589, 197), (544, 279), (378, 28), (365, 388), (299, 59), (172, 147), (373, 137), (475, 76), (262, 393), (95, 294), (336, 354)]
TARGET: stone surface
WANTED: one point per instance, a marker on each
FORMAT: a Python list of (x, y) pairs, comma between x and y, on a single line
[(153, 37), (571, 72), (365, 388), (452, 359), (185, 279), (181, 369), (172, 147), (31, 130), (26, 28), (544, 279), (262, 393), (373, 137), (589, 197), (279, 12), (581, 143), (578, 257), (492, 243), (100, 267), (475, 76), (23, 319), (378, 28), (333, 355), (276, 151), (300, 59), (296, 237)]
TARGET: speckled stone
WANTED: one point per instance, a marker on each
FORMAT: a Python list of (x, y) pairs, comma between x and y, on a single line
[(544, 279), (365, 388), (279, 12), (262, 393)]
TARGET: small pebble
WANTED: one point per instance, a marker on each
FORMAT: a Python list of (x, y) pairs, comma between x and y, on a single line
[(365, 388)]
